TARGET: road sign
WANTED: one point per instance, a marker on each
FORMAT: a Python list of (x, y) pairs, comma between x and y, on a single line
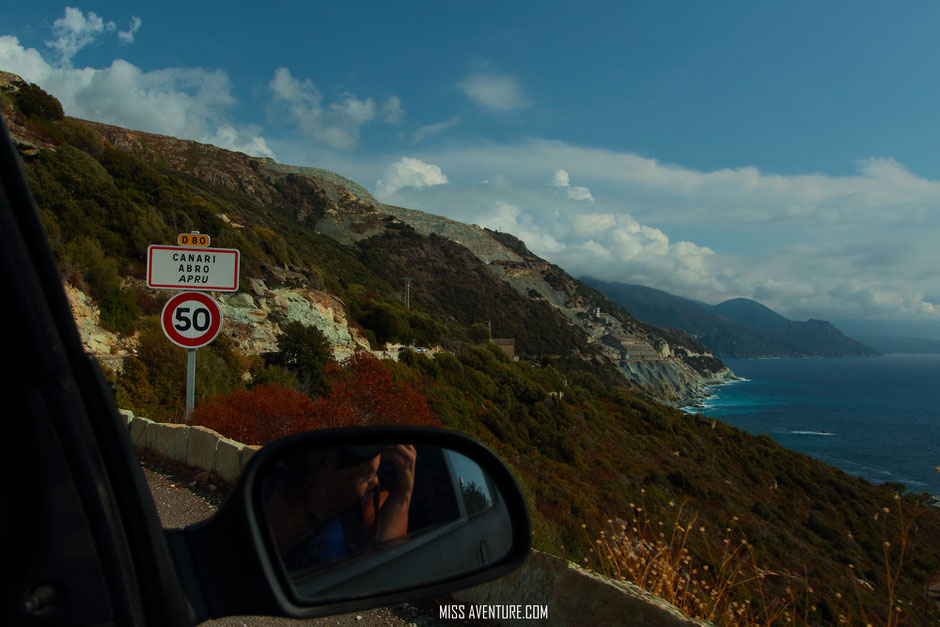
[(192, 239), (189, 268), (191, 319)]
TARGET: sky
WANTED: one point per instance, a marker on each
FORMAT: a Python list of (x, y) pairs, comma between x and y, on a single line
[(786, 152)]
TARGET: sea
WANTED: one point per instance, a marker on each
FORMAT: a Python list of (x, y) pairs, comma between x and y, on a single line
[(873, 417)]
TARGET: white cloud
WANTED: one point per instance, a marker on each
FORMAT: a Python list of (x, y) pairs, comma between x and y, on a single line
[(392, 111), (833, 247), (408, 172), (434, 129), (496, 92), (75, 30), (580, 193), (562, 181), (504, 216), (337, 125), (127, 36), (247, 140), (190, 103), (25, 62)]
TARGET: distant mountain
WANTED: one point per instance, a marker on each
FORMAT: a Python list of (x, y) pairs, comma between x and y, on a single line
[(750, 312), (902, 345), (739, 327)]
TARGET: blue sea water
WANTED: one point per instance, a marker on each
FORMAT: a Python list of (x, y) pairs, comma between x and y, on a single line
[(878, 418)]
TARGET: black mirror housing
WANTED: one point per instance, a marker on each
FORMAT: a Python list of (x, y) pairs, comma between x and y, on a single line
[(233, 563)]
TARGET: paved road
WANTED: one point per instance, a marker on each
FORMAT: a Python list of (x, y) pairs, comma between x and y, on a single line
[(184, 496)]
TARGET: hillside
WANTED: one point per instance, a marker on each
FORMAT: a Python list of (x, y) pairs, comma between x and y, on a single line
[(574, 417), (739, 327), (463, 274)]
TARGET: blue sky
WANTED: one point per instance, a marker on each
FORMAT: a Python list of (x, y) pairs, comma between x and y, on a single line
[(780, 151)]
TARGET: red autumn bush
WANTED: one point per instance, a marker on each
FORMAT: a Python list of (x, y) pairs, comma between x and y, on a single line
[(363, 391), (257, 416)]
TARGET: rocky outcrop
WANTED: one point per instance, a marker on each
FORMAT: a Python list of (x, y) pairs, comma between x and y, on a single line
[(469, 236), (253, 319), (678, 384), (348, 213), (109, 347), (670, 370)]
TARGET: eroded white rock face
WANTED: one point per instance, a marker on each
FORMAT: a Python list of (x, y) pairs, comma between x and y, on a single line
[(253, 319), (95, 340)]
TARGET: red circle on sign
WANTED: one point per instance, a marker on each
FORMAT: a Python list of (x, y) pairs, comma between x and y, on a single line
[(184, 326)]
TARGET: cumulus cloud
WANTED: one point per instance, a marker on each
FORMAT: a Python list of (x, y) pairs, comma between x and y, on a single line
[(561, 181), (507, 217), (495, 92), (836, 247), (337, 125), (76, 30), (408, 172), (190, 103)]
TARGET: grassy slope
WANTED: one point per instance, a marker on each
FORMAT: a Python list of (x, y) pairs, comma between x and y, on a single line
[(583, 445)]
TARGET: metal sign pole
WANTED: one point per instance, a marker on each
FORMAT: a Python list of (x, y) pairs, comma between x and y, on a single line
[(190, 382)]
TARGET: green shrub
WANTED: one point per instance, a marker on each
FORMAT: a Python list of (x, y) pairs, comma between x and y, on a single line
[(119, 311), (33, 101), (305, 351)]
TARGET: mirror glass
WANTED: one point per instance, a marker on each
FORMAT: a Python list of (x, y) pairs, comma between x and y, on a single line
[(356, 520)]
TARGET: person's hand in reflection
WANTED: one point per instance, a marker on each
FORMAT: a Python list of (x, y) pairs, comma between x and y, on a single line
[(322, 504), (395, 499)]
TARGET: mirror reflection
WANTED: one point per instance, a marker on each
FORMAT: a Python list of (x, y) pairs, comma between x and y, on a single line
[(371, 518)]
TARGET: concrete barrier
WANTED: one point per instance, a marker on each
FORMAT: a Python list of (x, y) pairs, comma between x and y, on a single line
[(138, 430), (198, 447), (170, 439), (201, 450), (228, 459)]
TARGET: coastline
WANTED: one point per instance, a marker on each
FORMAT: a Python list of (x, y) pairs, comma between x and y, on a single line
[(698, 403), (839, 411)]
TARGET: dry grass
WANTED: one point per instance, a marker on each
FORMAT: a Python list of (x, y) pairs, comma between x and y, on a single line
[(727, 585), (731, 588)]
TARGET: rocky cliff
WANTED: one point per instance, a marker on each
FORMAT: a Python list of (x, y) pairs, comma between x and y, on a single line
[(671, 366), (674, 365)]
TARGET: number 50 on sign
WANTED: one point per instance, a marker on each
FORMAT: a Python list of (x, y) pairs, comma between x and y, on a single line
[(191, 319)]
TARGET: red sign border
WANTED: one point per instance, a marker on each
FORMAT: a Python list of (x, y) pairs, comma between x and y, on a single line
[(197, 249), (166, 320)]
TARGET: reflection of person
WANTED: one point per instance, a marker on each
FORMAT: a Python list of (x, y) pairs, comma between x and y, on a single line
[(324, 504)]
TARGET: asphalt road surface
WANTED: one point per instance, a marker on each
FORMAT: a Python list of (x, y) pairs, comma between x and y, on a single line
[(184, 496)]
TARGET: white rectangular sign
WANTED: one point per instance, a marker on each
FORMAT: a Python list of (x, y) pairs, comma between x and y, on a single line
[(185, 268)]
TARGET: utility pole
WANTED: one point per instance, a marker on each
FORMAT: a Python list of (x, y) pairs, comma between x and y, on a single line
[(407, 280)]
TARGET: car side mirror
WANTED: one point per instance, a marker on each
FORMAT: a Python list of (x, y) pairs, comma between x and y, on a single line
[(335, 521)]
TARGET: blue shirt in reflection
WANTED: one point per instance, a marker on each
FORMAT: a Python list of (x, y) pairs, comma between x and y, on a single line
[(330, 542)]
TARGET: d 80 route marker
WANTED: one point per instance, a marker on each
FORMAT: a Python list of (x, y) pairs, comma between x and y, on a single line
[(191, 319), (192, 239), (187, 268)]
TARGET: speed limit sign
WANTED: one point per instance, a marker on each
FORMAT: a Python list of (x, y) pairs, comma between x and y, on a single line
[(191, 319)]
